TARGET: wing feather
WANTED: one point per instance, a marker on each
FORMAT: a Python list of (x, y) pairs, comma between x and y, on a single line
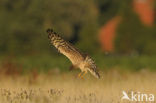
[(72, 53)]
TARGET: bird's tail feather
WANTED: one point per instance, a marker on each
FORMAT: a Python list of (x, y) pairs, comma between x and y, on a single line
[(94, 73), (92, 67)]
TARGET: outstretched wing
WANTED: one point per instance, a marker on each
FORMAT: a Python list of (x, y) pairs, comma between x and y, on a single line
[(71, 52), (65, 48), (91, 66)]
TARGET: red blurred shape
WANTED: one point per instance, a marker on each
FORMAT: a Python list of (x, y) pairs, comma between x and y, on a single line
[(145, 10), (107, 34)]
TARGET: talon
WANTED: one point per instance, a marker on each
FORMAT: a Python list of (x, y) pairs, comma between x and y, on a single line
[(82, 77), (79, 75), (83, 74)]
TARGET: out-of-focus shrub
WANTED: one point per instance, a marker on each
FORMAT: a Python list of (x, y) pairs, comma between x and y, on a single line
[(23, 23), (133, 36)]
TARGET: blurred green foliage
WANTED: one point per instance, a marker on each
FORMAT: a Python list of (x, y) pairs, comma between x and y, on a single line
[(133, 37), (108, 9), (23, 24), (46, 63)]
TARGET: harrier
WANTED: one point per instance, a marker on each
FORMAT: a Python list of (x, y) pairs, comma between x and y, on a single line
[(78, 59)]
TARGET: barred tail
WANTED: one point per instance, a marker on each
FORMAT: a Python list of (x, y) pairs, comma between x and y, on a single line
[(94, 73)]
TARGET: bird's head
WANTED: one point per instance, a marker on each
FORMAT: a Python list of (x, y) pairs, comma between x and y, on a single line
[(51, 33)]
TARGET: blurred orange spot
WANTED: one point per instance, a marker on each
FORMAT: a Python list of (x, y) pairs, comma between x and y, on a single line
[(145, 10), (107, 34)]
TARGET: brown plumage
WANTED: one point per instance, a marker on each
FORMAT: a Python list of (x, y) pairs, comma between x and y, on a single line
[(79, 60)]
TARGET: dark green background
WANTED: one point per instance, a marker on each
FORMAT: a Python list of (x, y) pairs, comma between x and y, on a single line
[(23, 38)]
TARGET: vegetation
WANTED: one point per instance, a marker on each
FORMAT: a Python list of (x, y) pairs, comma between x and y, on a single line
[(31, 71), (49, 63), (24, 44), (65, 88), (23, 25), (133, 37)]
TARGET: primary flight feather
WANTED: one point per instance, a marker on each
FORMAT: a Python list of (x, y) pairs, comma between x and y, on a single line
[(78, 59)]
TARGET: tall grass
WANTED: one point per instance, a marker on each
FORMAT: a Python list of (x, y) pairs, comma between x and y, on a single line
[(65, 88)]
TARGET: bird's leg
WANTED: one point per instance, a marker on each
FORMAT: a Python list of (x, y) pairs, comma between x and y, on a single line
[(79, 75), (85, 72)]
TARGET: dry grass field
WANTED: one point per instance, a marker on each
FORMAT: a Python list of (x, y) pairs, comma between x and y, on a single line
[(66, 88)]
